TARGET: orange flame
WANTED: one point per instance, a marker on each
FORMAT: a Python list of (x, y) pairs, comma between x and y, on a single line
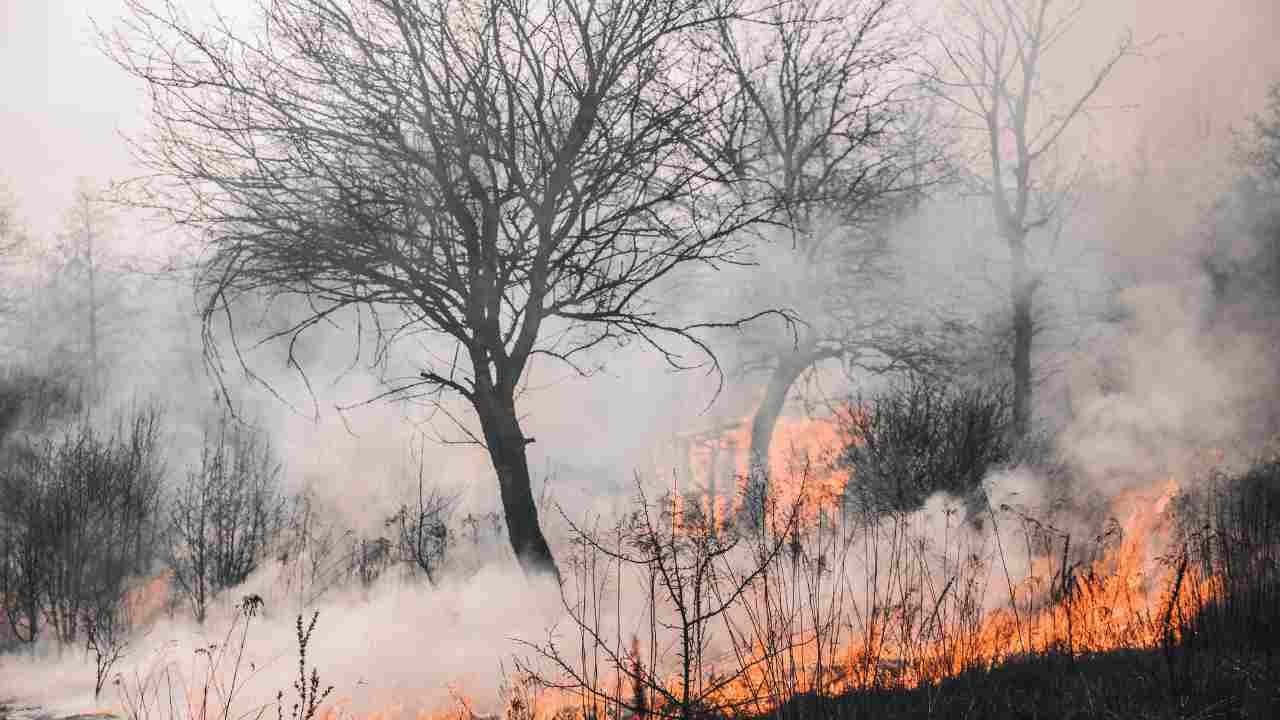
[(1127, 596)]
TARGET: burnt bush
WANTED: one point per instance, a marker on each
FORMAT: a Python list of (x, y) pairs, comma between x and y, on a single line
[(922, 436), (78, 521)]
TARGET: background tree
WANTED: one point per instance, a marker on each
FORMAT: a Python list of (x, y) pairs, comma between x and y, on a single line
[(79, 522), (23, 547), (311, 553), (78, 299), (992, 73), (1250, 210), (225, 516), (822, 95), (12, 235), (1260, 145), (86, 227), (514, 178)]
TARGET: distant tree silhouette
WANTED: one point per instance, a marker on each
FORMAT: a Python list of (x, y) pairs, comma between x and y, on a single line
[(991, 72), (838, 150)]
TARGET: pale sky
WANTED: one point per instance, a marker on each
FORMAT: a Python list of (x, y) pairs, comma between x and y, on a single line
[(65, 105)]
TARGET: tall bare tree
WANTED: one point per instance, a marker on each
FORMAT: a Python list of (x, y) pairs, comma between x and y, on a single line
[(823, 97), (992, 72), (87, 225), (513, 177)]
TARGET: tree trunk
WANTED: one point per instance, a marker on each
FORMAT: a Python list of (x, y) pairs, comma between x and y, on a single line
[(507, 451), (94, 371), (790, 366), (1022, 287)]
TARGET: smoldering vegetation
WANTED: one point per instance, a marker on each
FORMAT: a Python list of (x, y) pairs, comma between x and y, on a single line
[(600, 361)]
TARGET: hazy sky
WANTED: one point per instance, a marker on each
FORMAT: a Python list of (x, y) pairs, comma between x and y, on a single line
[(65, 105)]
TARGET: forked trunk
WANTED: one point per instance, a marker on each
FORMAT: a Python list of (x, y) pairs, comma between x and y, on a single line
[(507, 451), (763, 423), (766, 417)]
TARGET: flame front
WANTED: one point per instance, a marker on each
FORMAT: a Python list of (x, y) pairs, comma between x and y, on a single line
[(908, 600)]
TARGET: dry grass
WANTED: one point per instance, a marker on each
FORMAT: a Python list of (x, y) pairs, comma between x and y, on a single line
[(883, 619)]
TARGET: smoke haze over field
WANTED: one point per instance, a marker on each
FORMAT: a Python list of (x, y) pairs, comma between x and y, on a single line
[(1150, 370)]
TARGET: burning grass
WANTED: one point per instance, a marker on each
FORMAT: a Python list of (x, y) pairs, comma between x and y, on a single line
[(835, 614), (1160, 602)]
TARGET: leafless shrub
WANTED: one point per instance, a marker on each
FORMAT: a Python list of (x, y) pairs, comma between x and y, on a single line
[(107, 630), (318, 552), (78, 522), (923, 436), (679, 559), (309, 694), (423, 536), (310, 551), (225, 515), (213, 688), (368, 558)]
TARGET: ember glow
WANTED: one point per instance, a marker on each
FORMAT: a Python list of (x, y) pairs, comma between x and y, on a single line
[(718, 465), (1128, 586)]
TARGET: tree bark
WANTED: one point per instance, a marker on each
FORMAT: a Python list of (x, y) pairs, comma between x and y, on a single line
[(790, 366), (764, 421), (506, 444), (1022, 288)]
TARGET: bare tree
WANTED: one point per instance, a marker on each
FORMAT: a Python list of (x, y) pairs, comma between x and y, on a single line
[(514, 178), (78, 523), (86, 225), (822, 95), (992, 73), (23, 549), (76, 296), (12, 235), (224, 518), (101, 495), (1253, 210)]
